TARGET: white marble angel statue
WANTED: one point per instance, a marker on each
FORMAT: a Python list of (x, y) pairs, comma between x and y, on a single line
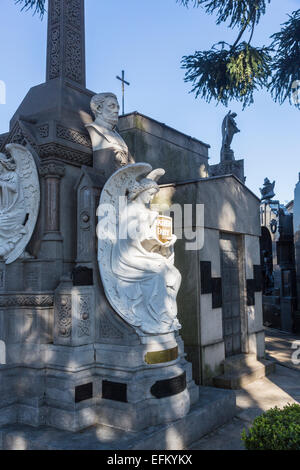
[(19, 201), (136, 265)]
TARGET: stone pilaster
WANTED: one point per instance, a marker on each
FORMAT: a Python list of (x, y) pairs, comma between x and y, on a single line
[(51, 246)]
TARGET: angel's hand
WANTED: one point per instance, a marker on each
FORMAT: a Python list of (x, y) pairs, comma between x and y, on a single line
[(153, 216), (171, 242)]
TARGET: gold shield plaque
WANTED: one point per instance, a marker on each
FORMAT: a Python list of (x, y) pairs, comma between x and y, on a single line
[(164, 228)]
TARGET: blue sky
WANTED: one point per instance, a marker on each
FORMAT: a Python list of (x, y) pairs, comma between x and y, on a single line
[(147, 38)]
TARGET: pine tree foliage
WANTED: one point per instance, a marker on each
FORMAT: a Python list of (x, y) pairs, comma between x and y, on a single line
[(237, 12), (235, 71), (38, 6), (225, 74), (286, 63)]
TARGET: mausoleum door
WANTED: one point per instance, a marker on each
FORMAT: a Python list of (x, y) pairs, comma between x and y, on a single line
[(231, 293)]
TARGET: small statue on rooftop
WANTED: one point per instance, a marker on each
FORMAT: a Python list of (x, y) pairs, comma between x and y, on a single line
[(229, 129), (267, 191)]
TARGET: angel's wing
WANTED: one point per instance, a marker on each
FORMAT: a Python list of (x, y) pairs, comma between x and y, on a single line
[(113, 194), (27, 172)]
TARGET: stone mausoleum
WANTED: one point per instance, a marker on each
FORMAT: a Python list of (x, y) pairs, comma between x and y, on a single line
[(280, 260), (68, 360)]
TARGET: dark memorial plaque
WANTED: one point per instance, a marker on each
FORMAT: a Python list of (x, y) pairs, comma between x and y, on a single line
[(169, 387), (83, 392), (82, 276), (216, 292), (257, 277), (206, 281), (114, 391), (250, 292)]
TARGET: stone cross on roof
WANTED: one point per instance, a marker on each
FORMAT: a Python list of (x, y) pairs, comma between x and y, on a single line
[(66, 41)]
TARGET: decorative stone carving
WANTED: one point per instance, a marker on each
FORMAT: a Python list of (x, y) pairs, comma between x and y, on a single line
[(72, 136), (108, 330), (73, 56), (56, 11), (3, 137), (19, 201), (27, 300), (44, 131), (18, 135), (54, 54), (73, 13), (74, 314), (103, 131), (229, 128), (52, 169), (267, 191), (234, 167), (66, 40), (64, 153), (64, 316), (84, 313), (136, 267)]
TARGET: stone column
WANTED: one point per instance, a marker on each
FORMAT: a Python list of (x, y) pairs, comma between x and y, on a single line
[(51, 245)]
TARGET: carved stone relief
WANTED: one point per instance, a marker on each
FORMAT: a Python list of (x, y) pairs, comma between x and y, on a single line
[(19, 201)]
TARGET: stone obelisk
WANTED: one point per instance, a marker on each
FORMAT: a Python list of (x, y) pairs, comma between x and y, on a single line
[(66, 41)]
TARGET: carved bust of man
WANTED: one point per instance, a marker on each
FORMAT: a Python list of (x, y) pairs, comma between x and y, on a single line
[(103, 133)]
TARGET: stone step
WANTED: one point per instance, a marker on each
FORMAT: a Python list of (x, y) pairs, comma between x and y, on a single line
[(238, 362), (238, 378)]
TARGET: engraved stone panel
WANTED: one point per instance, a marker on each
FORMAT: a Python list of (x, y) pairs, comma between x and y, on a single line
[(114, 391), (83, 392), (169, 387), (1, 278)]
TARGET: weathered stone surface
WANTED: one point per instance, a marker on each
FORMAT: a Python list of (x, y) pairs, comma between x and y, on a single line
[(214, 408), (182, 157)]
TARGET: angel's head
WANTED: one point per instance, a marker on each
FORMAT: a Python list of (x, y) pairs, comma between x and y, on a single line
[(105, 106), (145, 189), (6, 163), (143, 192)]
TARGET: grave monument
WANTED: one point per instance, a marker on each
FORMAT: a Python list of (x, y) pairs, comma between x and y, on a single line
[(80, 349), (95, 339)]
